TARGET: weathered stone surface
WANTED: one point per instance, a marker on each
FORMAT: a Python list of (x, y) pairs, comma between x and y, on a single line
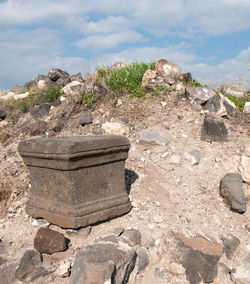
[(244, 167), (231, 188), (28, 263), (235, 90), (199, 95), (102, 263), (21, 96), (49, 241), (153, 135), (41, 110), (38, 127), (56, 74), (221, 105), (31, 85), (149, 74), (142, 259), (18, 89), (230, 245), (169, 70), (159, 273), (242, 273), (77, 77), (7, 96), (73, 88), (213, 129), (3, 114), (86, 118), (64, 269), (62, 197), (193, 157), (116, 128), (200, 258), (7, 273), (247, 107), (133, 236)]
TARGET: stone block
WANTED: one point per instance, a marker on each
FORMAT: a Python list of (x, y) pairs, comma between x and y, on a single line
[(76, 181)]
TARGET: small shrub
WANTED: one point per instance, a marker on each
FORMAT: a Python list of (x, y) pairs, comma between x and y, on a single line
[(88, 99), (193, 83), (127, 79)]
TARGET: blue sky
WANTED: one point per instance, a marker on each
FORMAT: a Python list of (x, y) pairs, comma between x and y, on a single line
[(210, 39)]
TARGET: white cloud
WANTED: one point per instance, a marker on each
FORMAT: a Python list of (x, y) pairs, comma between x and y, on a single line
[(191, 16), (100, 42)]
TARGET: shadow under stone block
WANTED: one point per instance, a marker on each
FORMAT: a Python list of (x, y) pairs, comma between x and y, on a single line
[(76, 181)]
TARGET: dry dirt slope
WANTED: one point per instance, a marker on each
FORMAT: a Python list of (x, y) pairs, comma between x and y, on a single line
[(170, 195)]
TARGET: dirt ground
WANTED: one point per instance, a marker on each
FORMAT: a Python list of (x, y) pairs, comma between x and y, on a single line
[(169, 195)]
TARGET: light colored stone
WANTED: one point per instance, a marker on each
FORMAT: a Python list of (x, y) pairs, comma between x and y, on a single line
[(199, 95), (8, 96), (175, 159), (149, 74), (244, 168), (64, 269), (73, 88), (153, 136), (247, 107), (21, 96), (235, 90), (116, 128), (40, 223), (242, 274), (193, 157), (179, 87), (41, 84)]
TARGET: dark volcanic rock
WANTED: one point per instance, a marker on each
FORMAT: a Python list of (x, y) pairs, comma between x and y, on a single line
[(3, 114), (59, 76), (213, 129), (102, 263), (49, 241), (77, 77), (200, 258), (38, 127), (41, 110), (231, 188), (30, 260), (230, 245), (86, 118)]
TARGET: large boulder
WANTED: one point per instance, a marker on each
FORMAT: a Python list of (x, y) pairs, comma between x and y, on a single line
[(213, 129), (199, 95), (231, 188), (199, 257), (49, 241), (221, 105), (28, 263), (169, 70), (59, 76), (102, 263)]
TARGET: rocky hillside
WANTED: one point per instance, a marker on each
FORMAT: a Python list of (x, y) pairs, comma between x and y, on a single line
[(187, 175)]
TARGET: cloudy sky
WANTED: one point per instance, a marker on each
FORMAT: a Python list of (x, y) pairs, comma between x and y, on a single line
[(209, 38)]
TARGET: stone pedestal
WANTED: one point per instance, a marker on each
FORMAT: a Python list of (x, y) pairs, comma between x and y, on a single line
[(76, 181)]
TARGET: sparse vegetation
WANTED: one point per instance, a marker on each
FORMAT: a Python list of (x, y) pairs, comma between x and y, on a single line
[(127, 79), (15, 107), (194, 83), (239, 102), (88, 99)]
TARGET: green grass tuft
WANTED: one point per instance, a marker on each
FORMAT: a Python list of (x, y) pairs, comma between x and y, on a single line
[(239, 102), (127, 79)]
